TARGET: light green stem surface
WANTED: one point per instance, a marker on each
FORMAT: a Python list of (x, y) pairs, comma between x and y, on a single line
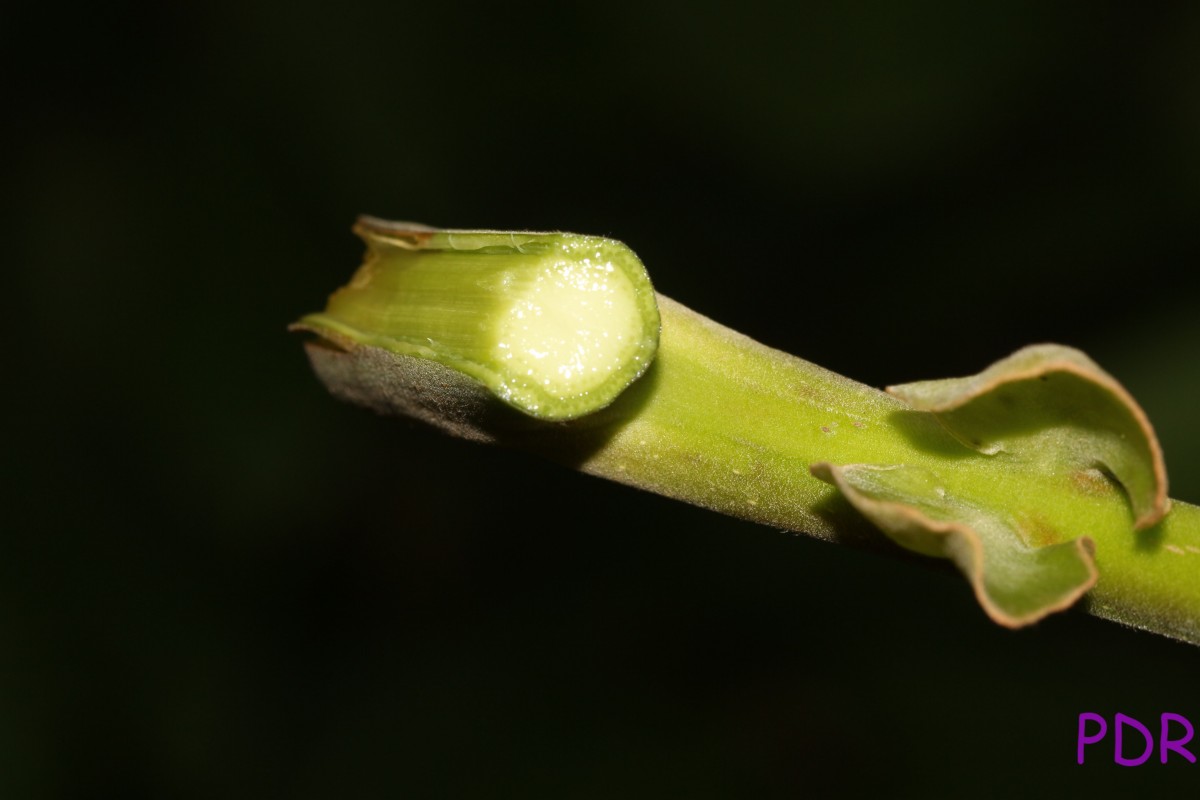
[(724, 422), (1030, 476)]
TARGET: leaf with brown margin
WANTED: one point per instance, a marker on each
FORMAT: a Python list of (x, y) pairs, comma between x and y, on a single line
[(1016, 584), (1052, 404)]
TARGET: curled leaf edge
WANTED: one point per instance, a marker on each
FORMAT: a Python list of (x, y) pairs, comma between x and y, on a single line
[(1083, 367), (974, 571)]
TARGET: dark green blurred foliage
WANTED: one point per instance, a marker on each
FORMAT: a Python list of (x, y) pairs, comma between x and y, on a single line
[(217, 581)]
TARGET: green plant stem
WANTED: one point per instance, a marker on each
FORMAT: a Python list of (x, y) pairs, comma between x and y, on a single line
[(726, 423), (1016, 474)]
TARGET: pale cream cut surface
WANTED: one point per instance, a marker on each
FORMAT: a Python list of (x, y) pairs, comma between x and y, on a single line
[(570, 330)]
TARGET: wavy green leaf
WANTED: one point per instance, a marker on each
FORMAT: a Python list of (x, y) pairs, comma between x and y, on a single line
[(1047, 411), (1054, 405), (1014, 582)]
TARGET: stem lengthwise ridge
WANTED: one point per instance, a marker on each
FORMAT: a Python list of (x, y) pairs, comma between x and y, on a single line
[(1031, 477)]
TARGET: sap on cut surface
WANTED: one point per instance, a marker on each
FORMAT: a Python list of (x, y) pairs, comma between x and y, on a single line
[(567, 331)]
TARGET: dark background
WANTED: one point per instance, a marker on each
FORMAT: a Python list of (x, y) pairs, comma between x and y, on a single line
[(217, 581)]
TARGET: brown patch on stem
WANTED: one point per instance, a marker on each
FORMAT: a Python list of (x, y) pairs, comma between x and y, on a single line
[(1038, 532), (1092, 482)]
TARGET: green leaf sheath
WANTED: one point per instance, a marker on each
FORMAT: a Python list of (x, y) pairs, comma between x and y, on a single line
[(1030, 477), (555, 324)]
